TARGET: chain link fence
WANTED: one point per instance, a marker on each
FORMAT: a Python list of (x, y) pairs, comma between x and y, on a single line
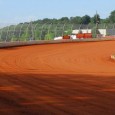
[(35, 31)]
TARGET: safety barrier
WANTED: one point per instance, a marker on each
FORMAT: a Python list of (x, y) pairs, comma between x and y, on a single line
[(26, 43)]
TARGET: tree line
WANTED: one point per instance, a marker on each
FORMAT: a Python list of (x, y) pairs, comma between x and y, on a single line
[(86, 19)]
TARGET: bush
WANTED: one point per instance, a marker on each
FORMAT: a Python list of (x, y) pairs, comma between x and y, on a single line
[(68, 32)]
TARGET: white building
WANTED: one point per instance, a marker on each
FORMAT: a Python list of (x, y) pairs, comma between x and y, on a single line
[(103, 32), (82, 30)]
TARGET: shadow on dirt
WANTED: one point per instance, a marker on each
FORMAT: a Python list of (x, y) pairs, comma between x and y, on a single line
[(44, 94)]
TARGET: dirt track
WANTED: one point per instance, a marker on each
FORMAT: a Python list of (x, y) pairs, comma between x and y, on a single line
[(58, 79)]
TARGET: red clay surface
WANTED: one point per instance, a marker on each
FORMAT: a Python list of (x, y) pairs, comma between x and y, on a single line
[(58, 79)]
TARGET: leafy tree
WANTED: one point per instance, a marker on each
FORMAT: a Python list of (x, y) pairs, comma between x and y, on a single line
[(76, 20), (96, 19), (73, 20), (46, 20), (112, 17), (54, 21), (86, 19), (105, 21), (64, 20)]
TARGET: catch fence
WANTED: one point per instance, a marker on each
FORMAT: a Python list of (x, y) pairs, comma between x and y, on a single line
[(36, 31)]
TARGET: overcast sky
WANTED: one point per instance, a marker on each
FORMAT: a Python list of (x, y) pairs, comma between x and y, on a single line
[(13, 11)]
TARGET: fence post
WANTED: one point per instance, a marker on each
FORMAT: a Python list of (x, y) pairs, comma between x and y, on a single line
[(13, 33), (34, 30), (80, 27), (42, 30), (87, 27), (1, 35), (27, 31), (113, 26), (49, 31), (63, 29), (7, 34), (72, 28), (56, 30), (20, 31)]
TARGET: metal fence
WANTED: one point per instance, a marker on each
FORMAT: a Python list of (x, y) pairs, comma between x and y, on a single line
[(35, 31)]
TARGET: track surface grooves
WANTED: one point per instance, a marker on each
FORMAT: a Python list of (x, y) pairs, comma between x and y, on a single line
[(58, 79)]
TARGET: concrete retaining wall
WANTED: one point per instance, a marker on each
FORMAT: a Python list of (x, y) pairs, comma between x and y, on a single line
[(15, 44)]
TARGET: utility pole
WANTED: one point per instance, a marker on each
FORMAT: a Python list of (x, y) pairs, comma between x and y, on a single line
[(97, 22)]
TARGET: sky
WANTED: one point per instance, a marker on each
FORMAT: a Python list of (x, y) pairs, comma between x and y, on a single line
[(16, 11)]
